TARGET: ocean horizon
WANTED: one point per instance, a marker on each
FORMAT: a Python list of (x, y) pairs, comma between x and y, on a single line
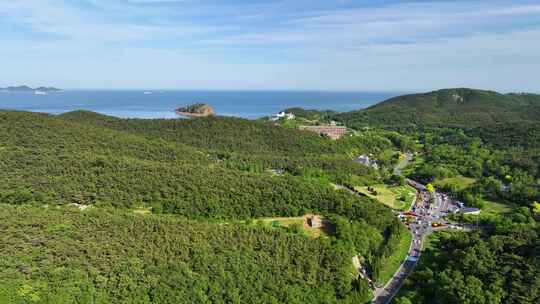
[(162, 103)]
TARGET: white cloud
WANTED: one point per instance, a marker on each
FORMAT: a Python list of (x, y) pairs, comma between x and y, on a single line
[(394, 47), (407, 23), (46, 17)]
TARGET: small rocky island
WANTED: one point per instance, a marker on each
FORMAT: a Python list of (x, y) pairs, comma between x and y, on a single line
[(196, 110), (27, 89)]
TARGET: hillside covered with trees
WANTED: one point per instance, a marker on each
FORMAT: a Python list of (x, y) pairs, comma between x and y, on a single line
[(498, 119), (482, 148), (170, 206), (449, 107), (97, 209), (490, 138), (496, 265), (63, 255)]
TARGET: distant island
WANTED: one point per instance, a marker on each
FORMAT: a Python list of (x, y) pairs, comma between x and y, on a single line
[(27, 89), (196, 110)]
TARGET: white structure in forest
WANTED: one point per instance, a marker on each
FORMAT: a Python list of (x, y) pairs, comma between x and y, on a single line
[(367, 161), (282, 115)]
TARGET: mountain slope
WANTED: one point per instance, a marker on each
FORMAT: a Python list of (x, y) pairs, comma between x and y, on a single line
[(251, 145), (448, 107), (49, 162), (216, 133), (63, 255), (46, 158)]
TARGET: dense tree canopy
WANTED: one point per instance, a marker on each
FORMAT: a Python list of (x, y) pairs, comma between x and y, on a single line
[(205, 169), (174, 202), (496, 266), (67, 256)]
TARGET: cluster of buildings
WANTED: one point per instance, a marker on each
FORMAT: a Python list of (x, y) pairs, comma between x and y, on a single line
[(332, 131), (282, 115), (368, 161)]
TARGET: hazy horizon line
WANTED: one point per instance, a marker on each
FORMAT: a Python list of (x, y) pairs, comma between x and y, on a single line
[(408, 91)]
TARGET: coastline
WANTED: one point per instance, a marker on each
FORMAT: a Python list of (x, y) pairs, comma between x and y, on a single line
[(134, 104)]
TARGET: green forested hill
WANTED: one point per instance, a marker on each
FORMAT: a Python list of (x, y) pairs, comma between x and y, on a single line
[(449, 107), (254, 145), (500, 265), (200, 170), (57, 159), (516, 133), (216, 133), (26, 130), (234, 135), (67, 256), (176, 203), (483, 149)]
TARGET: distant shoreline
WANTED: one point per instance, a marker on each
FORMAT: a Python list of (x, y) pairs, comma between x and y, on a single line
[(135, 104), (27, 89)]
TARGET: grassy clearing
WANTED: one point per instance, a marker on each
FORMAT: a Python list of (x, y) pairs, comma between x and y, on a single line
[(405, 196), (458, 182), (298, 223), (395, 197), (283, 221), (413, 165), (392, 263), (495, 208), (295, 225)]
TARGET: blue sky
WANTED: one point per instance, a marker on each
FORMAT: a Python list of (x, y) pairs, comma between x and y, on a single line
[(254, 45)]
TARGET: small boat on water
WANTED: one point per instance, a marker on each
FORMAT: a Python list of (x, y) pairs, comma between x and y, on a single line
[(40, 93), (147, 93)]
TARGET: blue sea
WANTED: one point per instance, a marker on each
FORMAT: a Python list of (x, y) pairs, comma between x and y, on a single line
[(161, 104)]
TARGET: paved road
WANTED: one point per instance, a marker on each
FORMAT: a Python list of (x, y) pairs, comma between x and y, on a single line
[(386, 294), (429, 208)]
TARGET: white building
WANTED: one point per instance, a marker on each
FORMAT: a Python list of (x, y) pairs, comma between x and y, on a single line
[(282, 115), (367, 161)]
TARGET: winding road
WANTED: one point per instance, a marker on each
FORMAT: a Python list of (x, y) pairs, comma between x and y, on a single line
[(428, 207), (427, 212)]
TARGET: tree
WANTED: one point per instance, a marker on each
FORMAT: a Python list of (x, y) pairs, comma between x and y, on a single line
[(536, 207), (430, 188)]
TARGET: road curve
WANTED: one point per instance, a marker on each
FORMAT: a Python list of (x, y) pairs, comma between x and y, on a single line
[(426, 214), (385, 294), (417, 229)]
